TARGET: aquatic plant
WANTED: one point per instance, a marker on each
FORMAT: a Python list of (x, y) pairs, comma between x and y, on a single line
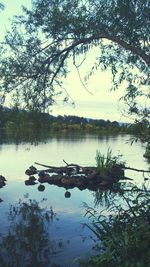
[(105, 162), (123, 235)]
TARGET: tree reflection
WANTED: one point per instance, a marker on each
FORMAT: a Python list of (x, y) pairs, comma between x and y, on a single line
[(106, 196), (110, 196), (27, 243)]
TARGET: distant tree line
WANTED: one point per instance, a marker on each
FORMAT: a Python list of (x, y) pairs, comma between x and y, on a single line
[(15, 122), (85, 124), (20, 123)]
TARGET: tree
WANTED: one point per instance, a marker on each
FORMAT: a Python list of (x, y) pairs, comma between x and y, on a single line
[(44, 40)]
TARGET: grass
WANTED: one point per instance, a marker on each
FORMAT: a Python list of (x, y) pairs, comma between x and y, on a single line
[(123, 234), (106, 162)]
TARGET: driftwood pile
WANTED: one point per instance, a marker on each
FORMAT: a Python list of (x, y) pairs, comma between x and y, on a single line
[(73, 175)]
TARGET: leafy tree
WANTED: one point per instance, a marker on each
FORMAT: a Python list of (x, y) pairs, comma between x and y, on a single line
[(44, 40)]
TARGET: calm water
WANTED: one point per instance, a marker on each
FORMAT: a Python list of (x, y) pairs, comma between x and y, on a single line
[(70, 240)]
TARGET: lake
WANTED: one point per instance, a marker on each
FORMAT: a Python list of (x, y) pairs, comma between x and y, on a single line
[(65, 231)]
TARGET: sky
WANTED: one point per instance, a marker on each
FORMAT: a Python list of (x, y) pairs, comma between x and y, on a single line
[(100, 103)]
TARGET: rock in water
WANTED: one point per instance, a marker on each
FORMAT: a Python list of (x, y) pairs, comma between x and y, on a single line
[(67, 194), (41, 187)]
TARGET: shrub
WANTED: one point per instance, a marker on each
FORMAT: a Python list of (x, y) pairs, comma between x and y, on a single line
[(123, 237)]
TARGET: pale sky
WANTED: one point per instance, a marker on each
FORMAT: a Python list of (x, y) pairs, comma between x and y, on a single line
[(101, 104)]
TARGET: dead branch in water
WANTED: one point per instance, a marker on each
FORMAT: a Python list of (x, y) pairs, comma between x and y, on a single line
[(46, 166), (84, 168), (134, 169)]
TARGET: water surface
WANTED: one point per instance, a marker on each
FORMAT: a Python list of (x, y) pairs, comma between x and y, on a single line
[(70, 238)]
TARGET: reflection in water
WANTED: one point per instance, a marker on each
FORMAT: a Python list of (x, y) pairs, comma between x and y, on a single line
[(38, 137), (41, 188), (107, 196), (33, 138), (2, 183), (27, 242), (67, 194), (104, 197), (74, 148), (118, 192)]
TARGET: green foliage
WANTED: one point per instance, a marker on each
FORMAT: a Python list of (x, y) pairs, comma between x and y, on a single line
[(16, 123), (123, 235), (11, 128), (43, 40), (147, 151), (106, 162), (103, 161)]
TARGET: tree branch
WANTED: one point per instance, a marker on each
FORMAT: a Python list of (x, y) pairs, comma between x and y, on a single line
[(137, 170), (133, 49), (137, 51)]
